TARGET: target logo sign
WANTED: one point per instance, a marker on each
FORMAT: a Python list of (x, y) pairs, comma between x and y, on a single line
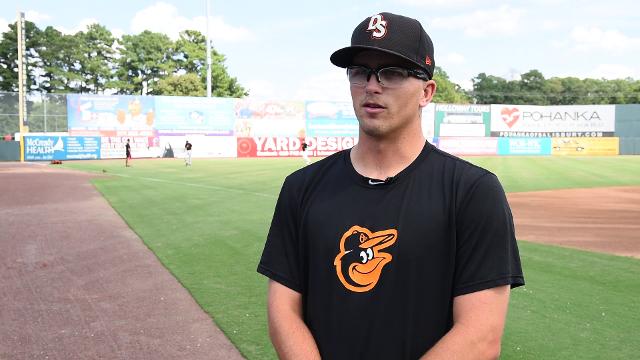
[(246, 147)]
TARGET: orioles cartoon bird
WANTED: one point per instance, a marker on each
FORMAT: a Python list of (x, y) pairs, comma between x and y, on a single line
[(360, 260)]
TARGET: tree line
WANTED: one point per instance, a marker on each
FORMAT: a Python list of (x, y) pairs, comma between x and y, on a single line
[(94, 61), (533, 89), (150, 63)]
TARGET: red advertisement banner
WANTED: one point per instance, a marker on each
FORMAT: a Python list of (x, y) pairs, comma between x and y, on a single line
[(292, 146)]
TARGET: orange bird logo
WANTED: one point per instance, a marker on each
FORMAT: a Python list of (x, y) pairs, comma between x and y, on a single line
[(360, 260)]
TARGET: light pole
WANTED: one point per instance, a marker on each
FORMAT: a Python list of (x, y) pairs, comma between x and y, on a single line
[(22, 80), (208, 46)]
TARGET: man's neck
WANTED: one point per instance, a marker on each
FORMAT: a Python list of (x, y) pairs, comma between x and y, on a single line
[(383, 158)]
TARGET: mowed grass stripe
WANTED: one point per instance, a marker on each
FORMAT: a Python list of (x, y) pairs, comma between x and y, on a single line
[(575, 305), (211, 239), (534, 173)]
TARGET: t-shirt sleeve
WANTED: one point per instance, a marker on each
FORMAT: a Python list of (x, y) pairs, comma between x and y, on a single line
[(486, 250), (280, 259)]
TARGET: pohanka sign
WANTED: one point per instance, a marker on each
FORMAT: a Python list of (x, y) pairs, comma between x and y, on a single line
[(553, 121)]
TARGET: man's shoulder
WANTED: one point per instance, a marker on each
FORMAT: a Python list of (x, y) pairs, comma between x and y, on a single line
[(317, 169)]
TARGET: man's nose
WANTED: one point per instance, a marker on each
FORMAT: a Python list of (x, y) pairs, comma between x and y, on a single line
[(373, 85)]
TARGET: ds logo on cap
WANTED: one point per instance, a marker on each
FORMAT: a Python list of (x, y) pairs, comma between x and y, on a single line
[(378, 26), (397, 35)]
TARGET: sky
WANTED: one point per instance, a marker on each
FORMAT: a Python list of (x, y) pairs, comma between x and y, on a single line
[(280, 49)]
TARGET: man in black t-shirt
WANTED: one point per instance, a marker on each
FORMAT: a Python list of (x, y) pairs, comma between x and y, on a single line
[(127, 149), (392, 249)]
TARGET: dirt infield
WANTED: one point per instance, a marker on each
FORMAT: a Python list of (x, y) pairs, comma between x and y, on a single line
[(77, 283), (600, 219)]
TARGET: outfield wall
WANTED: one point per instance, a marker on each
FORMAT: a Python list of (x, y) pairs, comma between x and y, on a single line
[(9, 150), (158, 126), (628, 128)]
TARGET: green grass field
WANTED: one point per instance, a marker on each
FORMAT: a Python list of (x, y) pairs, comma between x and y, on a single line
[(207, 224)]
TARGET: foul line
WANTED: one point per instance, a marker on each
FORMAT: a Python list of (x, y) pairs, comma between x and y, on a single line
[(196, 185)]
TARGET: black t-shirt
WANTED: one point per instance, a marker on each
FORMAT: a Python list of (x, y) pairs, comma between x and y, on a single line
[(187, 146), (379, 262), (127, 148)]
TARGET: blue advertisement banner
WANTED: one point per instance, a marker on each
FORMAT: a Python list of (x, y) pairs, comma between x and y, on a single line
[(524, 146), (210, 116), (107, 112), (331, 118), (38, 148)]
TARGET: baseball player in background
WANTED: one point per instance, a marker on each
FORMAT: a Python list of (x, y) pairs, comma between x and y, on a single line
[(305, 155), (187, 155), (127, 148)]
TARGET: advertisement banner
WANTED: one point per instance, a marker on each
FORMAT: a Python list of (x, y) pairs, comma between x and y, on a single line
[(552, 121), (469, 145), (291, 146), (61, 148), (524, 146), (586, 146), (331, 118), (180, 114), (113, 147), (269, 118), (86, 113), (453, 120), (428, 120), (204, 146)]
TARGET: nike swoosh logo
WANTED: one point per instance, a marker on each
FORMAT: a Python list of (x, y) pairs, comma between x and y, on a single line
[(375, 182)]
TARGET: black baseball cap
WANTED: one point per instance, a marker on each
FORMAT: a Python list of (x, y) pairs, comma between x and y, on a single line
[(394, 34)]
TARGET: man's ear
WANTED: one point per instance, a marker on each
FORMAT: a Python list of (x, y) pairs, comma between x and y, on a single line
[(428, 92)]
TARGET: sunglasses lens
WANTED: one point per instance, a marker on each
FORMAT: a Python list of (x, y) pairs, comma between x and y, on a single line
[(358, 75), (393, 76)]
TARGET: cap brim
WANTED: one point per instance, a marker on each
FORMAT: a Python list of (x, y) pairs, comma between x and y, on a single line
[(344, 57)]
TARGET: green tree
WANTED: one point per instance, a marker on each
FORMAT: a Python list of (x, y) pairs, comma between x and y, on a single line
[(144, 60), (9, 57), (633, 96), (554, 89), (182, 85), (623, 91), (489, 89), (97, 58), (59, 60), (532, 89), (190, 54), (190, 57), (222, 84), (447, 91), (573, 90)]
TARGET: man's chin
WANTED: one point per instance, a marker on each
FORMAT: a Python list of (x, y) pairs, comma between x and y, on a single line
[(374, 131)]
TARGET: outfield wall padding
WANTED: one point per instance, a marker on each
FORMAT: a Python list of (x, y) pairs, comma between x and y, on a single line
[(628, 121), (9, 151), (630, 146)]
